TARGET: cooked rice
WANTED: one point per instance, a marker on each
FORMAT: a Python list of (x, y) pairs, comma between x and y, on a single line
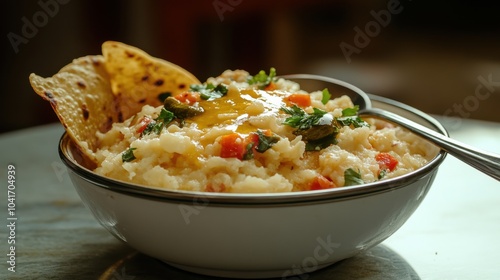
[(187, 157)]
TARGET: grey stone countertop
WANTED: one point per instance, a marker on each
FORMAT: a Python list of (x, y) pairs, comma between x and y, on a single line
[(453, 234)]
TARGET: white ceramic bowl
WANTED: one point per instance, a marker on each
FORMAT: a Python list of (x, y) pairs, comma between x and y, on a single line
[(255, 235)]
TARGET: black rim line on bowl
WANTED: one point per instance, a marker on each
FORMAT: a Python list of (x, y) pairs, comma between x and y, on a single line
[(342, 193)]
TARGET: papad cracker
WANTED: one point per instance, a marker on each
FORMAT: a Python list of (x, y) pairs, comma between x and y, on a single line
[(80, 94), (138, 78)]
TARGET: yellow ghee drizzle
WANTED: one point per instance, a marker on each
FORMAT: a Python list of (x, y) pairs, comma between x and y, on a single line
[(235, 108)]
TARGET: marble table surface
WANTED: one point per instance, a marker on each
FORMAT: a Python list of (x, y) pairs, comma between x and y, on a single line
[(453, 235)]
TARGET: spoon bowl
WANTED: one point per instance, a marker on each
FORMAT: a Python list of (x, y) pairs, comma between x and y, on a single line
[(483, 161)]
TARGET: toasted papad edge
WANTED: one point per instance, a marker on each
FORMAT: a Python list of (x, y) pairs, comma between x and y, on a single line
[(138, 78), (80, 95)]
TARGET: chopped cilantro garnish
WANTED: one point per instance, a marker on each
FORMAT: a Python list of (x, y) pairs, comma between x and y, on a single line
[(320, 144), (318, 131), (262, 79), (382, 173), (210, 92), (349, 112), (248, 152), (351, 177), (350, 117), (265, 142), (317, 134), (161, 121), (300, 119), (326, 96), (128, 155), (149, 128), (355, 121)]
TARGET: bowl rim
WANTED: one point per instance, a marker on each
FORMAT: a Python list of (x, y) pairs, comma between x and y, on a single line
[(204, 198)]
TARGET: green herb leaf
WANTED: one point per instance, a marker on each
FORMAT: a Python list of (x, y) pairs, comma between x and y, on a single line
[(350, 117), (318, 131), (149, 128), (348, 112), (317, 136), (300, 119), (128, 155), (248, 152), (320, 144), (296, 113), (382, 173), (265, 142), (326, 96), (354, 121), (210, 92), (161, 121), (262, 79), (351, 177)]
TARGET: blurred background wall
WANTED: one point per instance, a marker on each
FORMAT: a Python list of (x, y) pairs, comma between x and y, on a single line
[(442, 58)]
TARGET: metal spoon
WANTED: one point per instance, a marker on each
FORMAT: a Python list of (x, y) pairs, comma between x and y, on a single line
[(485, 162)]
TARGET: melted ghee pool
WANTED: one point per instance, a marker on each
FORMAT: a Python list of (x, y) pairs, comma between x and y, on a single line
[(235, 108)]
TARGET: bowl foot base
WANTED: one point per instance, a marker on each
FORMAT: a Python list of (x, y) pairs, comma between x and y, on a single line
[(248, 274)]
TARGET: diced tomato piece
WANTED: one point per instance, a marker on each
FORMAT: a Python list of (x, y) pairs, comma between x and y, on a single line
[(321, 182), (232, 145), (270, 86), (251, 143), (300, 99), (143, 124), (386, 161), (188, 97)]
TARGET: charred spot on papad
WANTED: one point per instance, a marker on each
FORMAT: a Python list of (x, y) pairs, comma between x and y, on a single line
[(138, 78), (80, 94), (93, 92)]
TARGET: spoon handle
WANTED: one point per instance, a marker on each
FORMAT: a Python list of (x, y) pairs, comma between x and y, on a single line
[(485, 162)]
